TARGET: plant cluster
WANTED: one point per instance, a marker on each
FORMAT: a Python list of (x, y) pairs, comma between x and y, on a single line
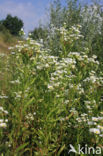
[(51, 101)]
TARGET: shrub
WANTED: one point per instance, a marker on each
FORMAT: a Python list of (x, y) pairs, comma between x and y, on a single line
[(13, 24)]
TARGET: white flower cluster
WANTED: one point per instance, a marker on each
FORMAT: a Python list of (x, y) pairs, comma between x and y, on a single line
[(30, 116), (3, 122), (72, 34), (15, 82), (3, 97), (82, 118), (71, 82), (97, 121), (2, 110)]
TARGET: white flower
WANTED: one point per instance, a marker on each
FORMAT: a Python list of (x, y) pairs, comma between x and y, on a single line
[(12, 53), (88, 107), (34, 113), (6, 112), (84, 114), (30, 116), (3, 125), (3, 97), (50, 87), (11, 48), (94, 119), (15, 81), (100, 118), (6, 120), (94, 130), (1, 109), (100, 127), (94, 56), (46, 65), (1, 120)]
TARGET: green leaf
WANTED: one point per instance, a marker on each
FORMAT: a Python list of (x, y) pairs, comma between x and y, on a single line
[(61, 149), (21, 147)]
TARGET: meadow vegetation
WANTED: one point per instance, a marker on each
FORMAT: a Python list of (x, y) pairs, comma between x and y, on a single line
[(51, 88)]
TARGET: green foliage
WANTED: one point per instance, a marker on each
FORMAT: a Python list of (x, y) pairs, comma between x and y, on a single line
[(6, 36), (13, 24), (51, 101), (92, 28), (54, 94), (57, 14), (69, 14), (88, 16), (2, 28), (60, 15), (39, 33)]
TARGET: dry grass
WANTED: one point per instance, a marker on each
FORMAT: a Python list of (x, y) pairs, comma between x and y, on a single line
[(3, 47), (5, 43), (7, 40)]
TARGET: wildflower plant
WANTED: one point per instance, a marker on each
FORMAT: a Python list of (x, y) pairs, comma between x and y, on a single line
[(52, 100)]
